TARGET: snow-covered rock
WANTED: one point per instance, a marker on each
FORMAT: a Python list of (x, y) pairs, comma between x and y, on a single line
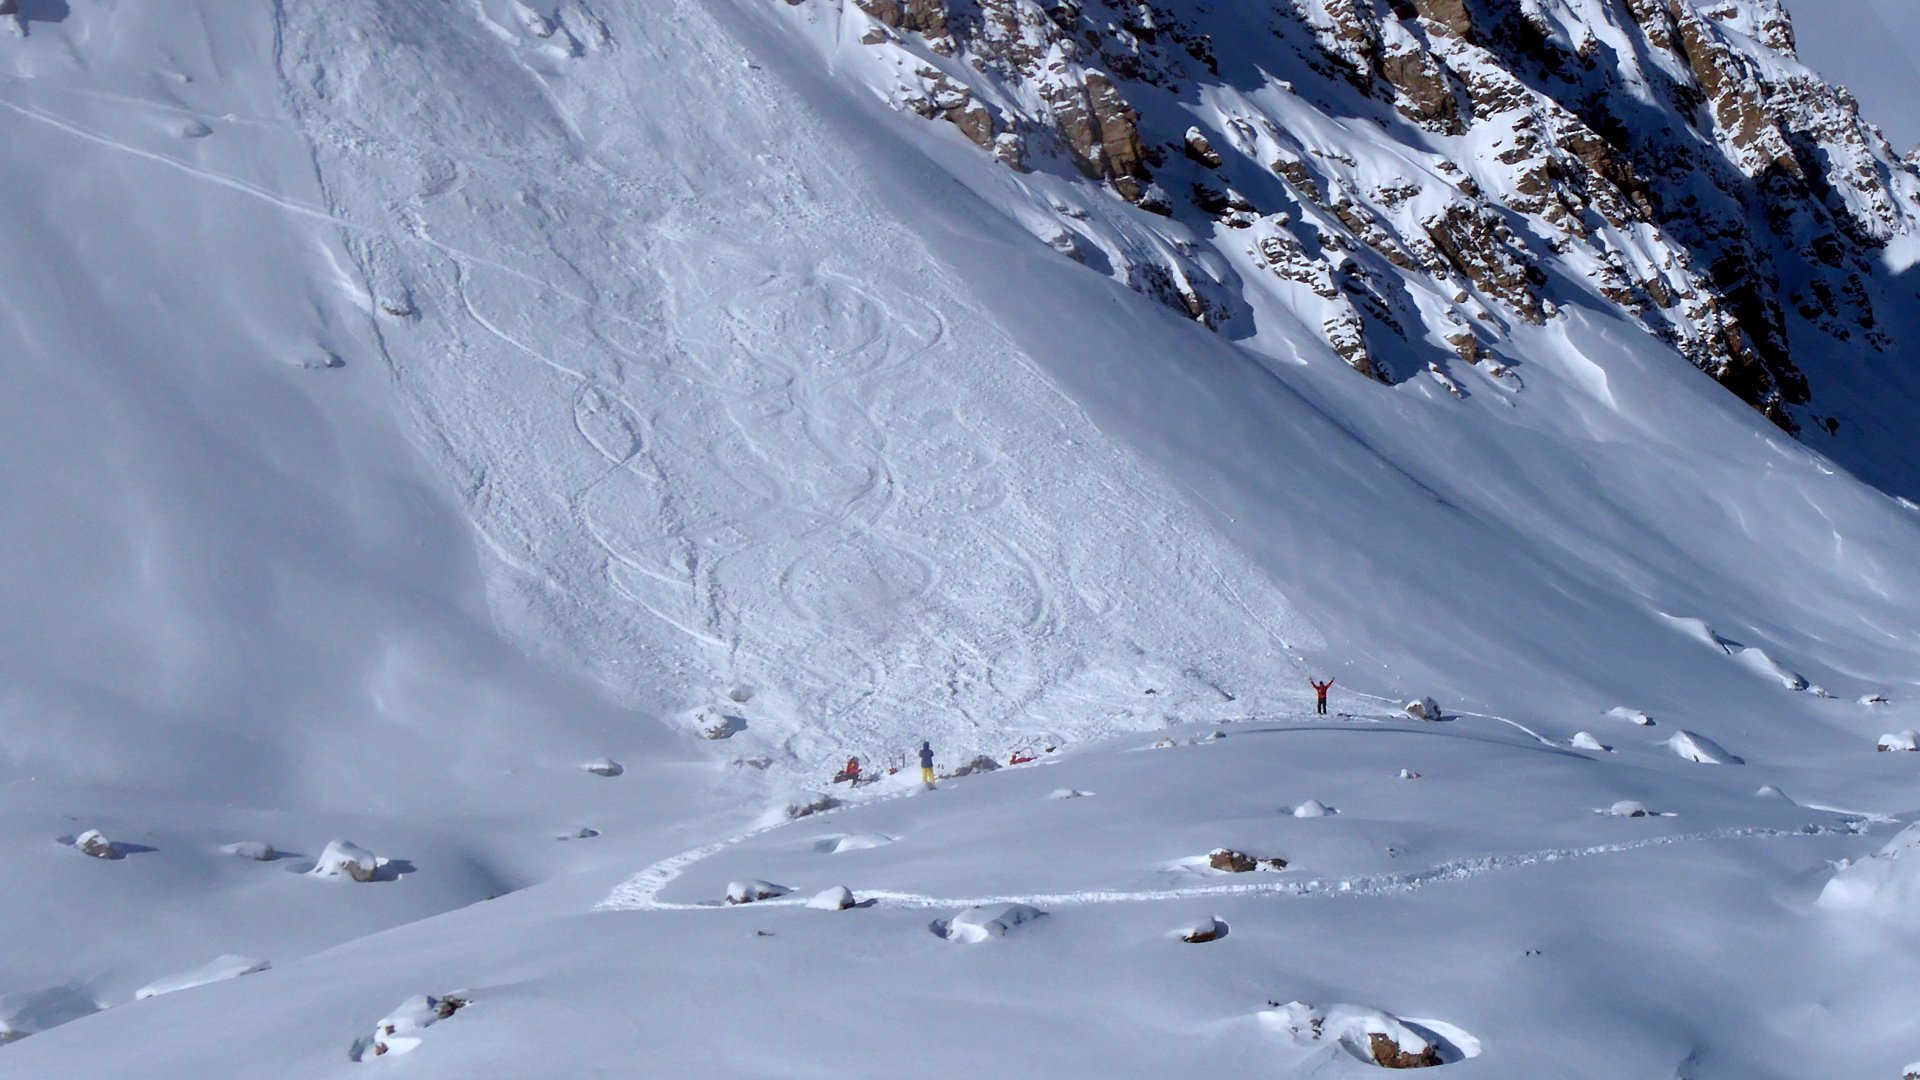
[(94, 843), (399, 1031), (1311, 808), (838, 898), (1631, 716), (1371, 1035), (750, 891), (1899, 740), (1628, 808), (1068, 793), (1586, 741), (604, 767), (1205, 930), (257, 850), (804, 804), (1698, 748), (1884, 885), (226, 967), (1409, 774), (1423, 709), (986, 922), (1227, 860), (344, 858)]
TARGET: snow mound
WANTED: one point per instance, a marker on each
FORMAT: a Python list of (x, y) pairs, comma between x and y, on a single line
[(1628, 808), (1068, 793), (34, 1011), (1373, 1035), (220, 970), (1631, 716), (399, 1031), (978, 924), (837, 845), (1409, 774), (1699, 748), (1750, 657), (838, 898), (604, 767), (1312, 808), (580, 833), (1585, 741), (1899, 740), (344, 858), (257, 850), (747, 892), (1884, 885), (1197, 933)]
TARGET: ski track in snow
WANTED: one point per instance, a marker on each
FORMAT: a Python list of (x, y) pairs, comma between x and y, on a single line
[(642, 891)]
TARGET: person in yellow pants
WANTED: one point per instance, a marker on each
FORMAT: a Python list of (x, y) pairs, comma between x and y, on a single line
[(926, 764)]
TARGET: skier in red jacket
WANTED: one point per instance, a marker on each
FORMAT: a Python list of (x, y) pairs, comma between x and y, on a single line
[(1320, 688)]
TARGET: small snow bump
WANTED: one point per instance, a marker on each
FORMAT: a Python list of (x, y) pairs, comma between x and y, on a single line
[(838, 898)]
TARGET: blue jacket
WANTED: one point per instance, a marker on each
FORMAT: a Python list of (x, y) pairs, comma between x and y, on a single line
[(926, 757)]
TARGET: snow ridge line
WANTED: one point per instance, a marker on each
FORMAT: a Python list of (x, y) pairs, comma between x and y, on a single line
[(641, 892)]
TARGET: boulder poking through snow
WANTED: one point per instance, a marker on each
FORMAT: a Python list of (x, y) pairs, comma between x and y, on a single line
[(604, 767), (1631, 716), (1239, 862), (978, 924), (1424, 709), (1585, 741), (94, 843), (748, 892), (1700, 749), (399, 1031), (344, 858), (1898, 740), (1373, 1036), (1628, 808)]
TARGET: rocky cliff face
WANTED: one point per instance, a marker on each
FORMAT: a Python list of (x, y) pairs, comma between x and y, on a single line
[(1413, 179)]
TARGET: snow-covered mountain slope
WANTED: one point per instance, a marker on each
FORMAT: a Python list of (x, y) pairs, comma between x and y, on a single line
[(412, 403)]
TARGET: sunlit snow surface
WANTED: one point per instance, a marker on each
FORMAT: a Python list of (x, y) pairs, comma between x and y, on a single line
[(406, 403)]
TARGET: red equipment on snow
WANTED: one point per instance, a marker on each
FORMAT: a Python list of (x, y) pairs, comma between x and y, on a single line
[(850, 774)]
